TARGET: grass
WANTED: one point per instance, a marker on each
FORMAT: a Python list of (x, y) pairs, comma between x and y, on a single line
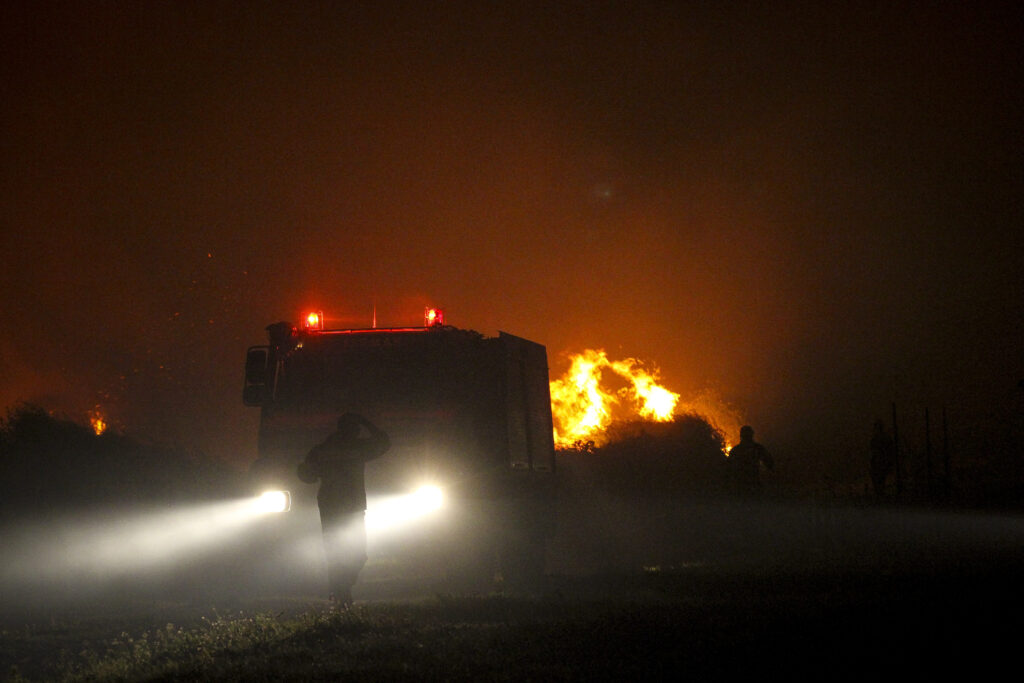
[(447, 638), (656, 626)]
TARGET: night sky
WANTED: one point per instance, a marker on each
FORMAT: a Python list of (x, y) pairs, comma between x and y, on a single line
[(813, 211)]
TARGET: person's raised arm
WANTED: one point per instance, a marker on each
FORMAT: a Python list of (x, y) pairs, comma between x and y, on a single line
[(379, 438)]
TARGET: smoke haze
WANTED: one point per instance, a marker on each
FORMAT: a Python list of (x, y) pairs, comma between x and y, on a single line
[(812, 212)]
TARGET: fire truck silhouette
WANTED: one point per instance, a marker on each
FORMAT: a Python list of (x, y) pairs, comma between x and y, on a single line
[(466, 413)]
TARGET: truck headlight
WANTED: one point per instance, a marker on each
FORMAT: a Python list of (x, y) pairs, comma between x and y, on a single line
[(274, 501), (428, 498)]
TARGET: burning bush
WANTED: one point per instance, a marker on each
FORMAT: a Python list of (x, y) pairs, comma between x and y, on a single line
[(598, 398), (583, 404)]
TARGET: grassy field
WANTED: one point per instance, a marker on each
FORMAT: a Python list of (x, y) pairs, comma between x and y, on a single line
[(694, 622)]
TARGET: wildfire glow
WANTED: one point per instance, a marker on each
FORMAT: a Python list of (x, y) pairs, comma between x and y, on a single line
[(96, 419), (581, 407)]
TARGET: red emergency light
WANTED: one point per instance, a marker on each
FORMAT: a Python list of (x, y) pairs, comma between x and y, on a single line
[(433, 317), (315, 321)]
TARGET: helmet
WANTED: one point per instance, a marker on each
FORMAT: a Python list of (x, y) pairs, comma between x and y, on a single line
[(746, 432)]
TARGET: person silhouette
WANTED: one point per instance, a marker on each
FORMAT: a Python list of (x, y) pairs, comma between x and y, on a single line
[(745, 460), (339, 464)]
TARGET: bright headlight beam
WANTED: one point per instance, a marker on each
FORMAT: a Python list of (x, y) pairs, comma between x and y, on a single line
[(117, 544), (429, 497), (389, 513), (274, 501)]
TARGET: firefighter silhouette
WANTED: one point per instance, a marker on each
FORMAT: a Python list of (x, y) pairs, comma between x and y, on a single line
[(338, 463), (745, 460)]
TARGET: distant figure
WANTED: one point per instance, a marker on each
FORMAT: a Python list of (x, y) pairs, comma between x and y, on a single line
[(338, 463), (883, 458), (745, 460)]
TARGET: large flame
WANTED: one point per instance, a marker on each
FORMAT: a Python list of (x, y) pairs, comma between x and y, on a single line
[(582, 408), (583, 405)]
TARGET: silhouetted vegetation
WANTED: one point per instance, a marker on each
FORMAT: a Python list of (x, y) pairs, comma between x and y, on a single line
[(51, 465), (684, 455)]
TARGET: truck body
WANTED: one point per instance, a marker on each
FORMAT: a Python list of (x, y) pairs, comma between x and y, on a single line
[(467, 413)]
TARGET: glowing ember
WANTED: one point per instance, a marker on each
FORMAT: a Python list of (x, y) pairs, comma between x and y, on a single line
[(96, 419), (583, 406)]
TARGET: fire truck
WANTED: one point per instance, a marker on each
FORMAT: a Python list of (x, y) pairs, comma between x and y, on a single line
[(466, 413)]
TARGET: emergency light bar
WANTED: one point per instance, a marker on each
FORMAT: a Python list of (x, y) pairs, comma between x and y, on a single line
[(315, 321), (433, 317)]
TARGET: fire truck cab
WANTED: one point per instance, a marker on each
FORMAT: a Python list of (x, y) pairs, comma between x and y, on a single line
[(467, 413)]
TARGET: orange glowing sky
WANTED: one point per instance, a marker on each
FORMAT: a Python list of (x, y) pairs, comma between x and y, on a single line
[(811, 212)]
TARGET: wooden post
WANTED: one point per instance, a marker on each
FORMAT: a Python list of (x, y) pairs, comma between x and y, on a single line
[(928, 455), (945, 455), (896, 452)]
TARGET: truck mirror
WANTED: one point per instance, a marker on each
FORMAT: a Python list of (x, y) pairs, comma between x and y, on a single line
[(254, 392)]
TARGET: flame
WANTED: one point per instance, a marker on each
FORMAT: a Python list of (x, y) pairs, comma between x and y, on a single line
[(582, 406), (98, 422)]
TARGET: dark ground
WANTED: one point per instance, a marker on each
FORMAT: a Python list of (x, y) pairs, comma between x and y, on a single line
[(695, 624), (940, 606)]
